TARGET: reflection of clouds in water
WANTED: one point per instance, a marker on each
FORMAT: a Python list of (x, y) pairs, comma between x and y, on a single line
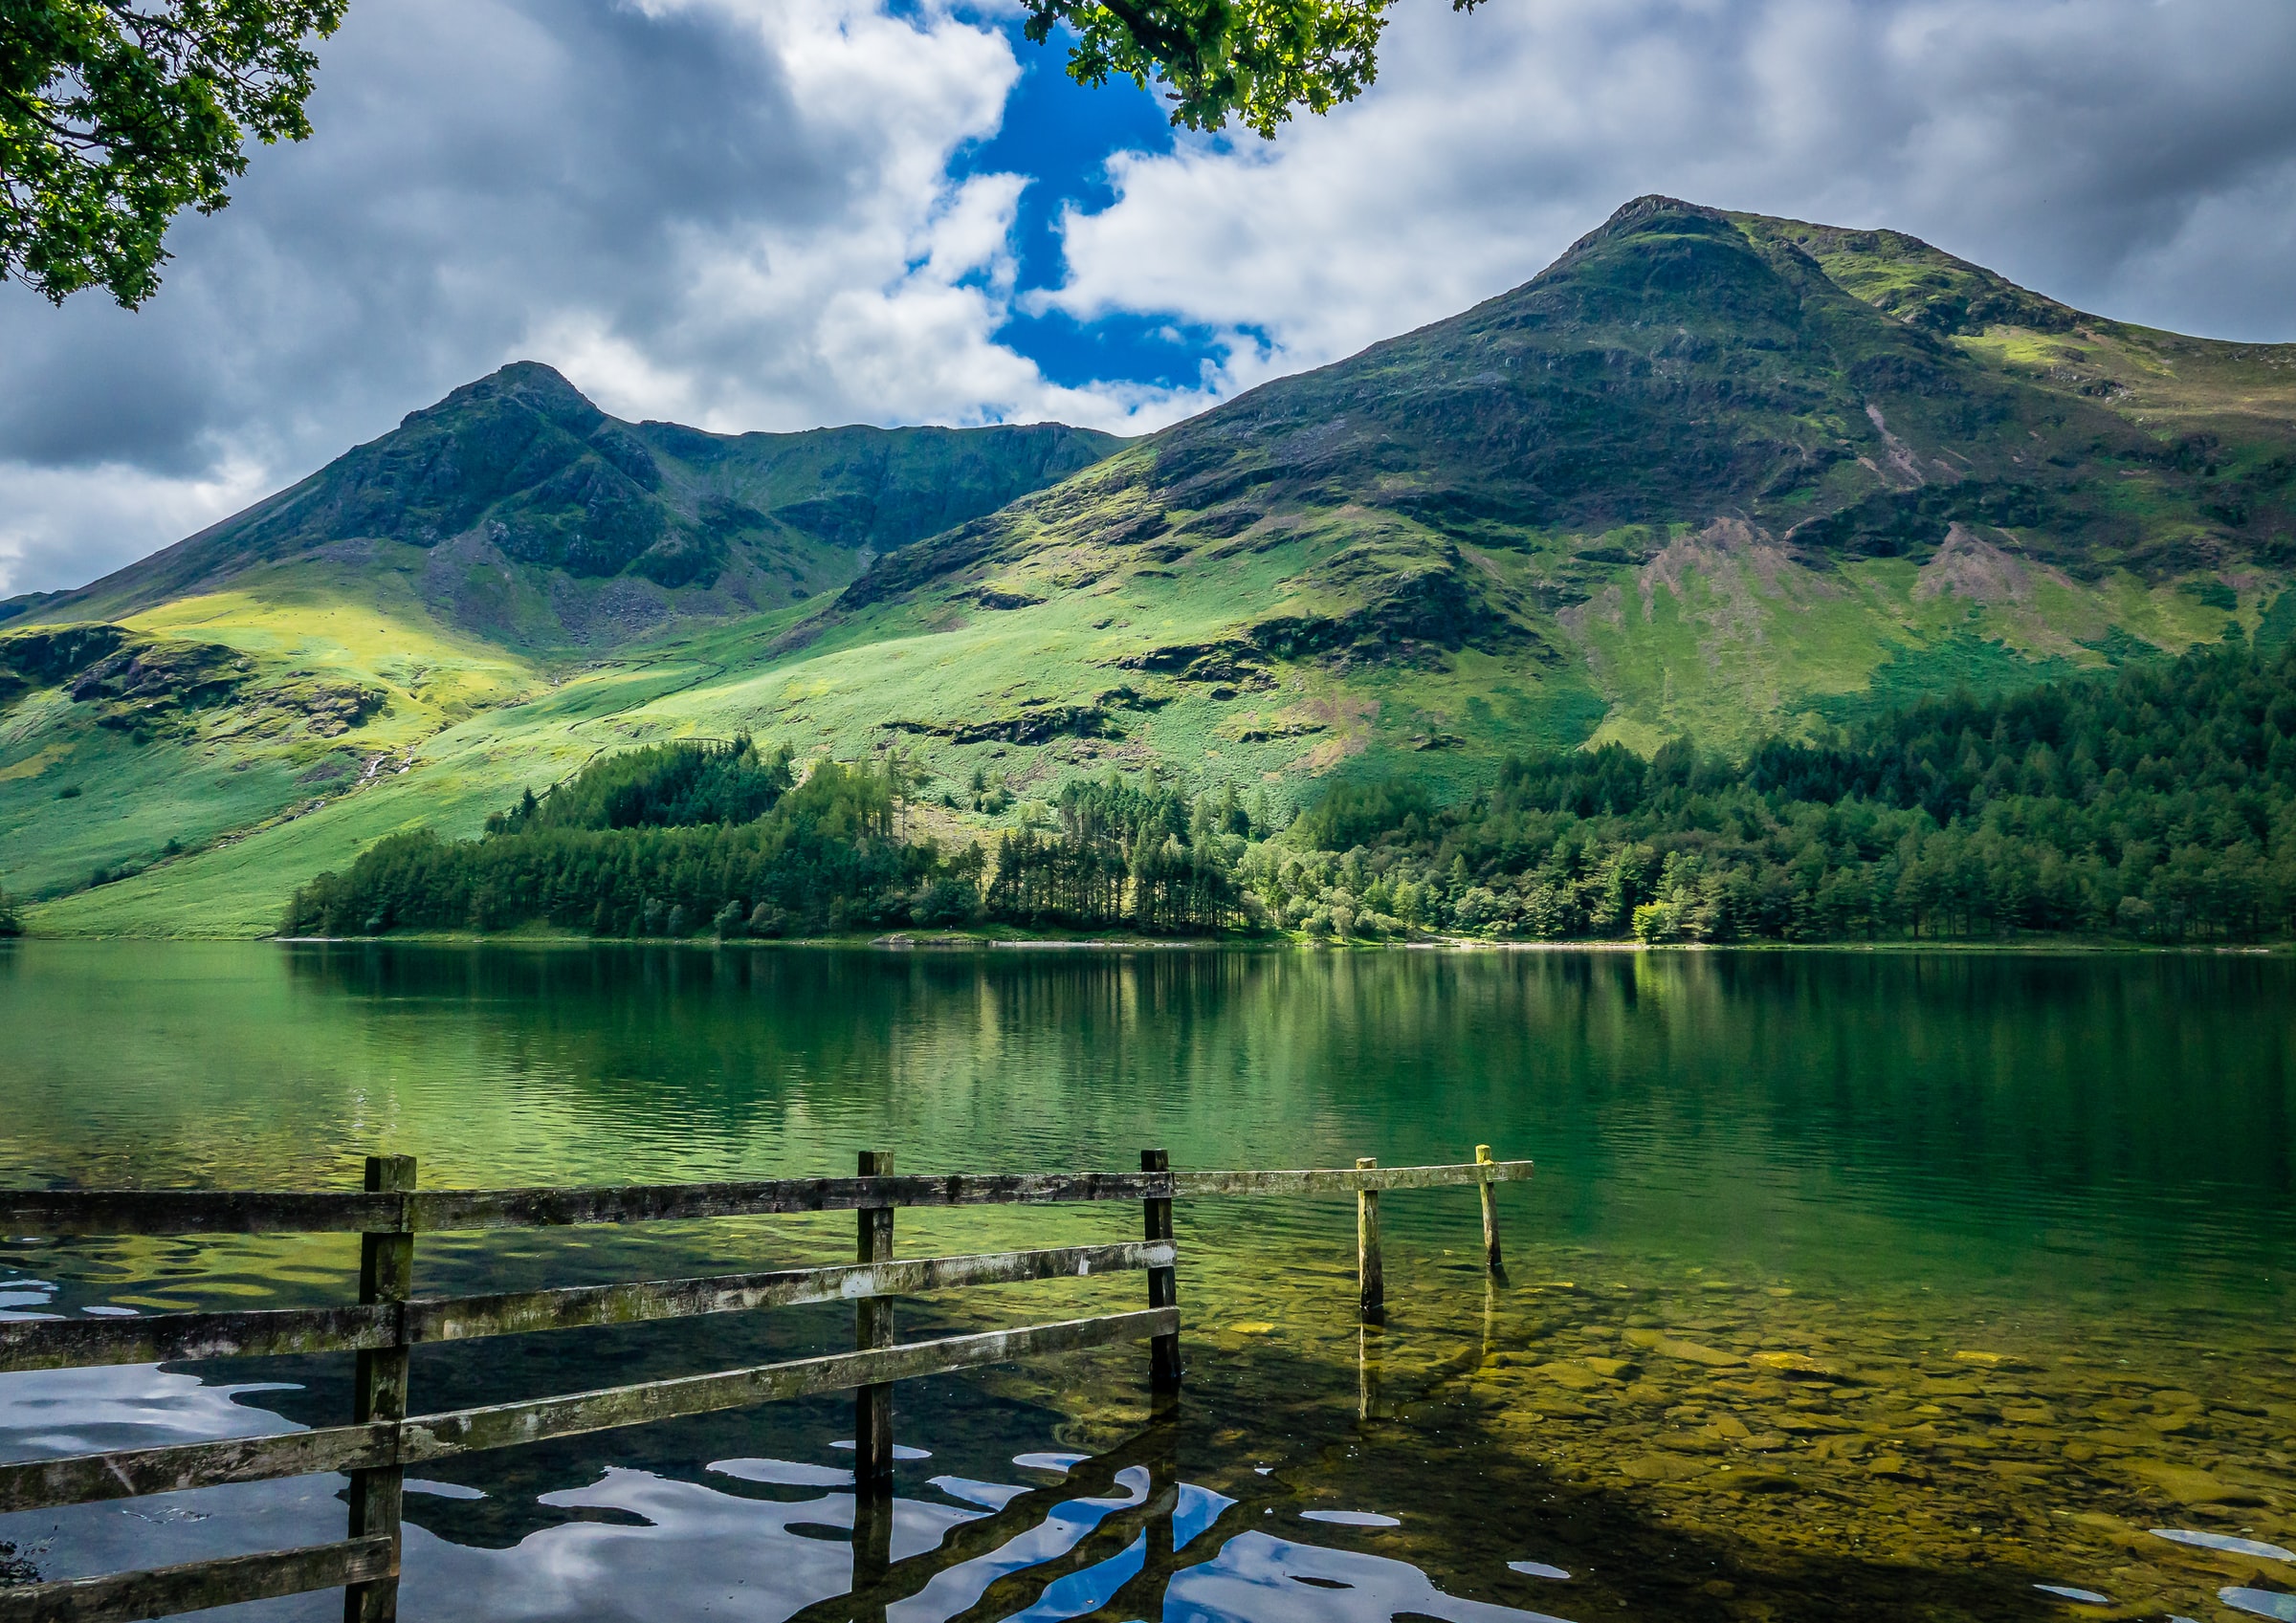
[(1088, 1590), (1255, 1579), (784, 1472), (992, 1496), (2226, 1543), (900, 1449), (443, 1490), (699, 1552), (1199, 1508), (959, 1587), (47, 1411), (696, 1551), (1048, 1462), (21, 1300)]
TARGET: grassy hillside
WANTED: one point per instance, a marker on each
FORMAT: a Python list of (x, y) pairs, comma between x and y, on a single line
[(1709, 474), (496, 547)]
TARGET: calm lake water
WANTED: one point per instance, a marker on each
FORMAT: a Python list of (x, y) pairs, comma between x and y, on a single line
[(1851, 1284)]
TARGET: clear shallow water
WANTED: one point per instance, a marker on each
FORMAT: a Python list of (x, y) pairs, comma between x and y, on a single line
[(1890, 1284)]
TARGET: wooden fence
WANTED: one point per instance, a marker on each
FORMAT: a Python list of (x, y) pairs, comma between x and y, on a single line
[(383, 1440)]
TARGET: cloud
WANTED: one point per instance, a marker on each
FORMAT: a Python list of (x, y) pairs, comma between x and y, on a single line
[(740, 213), (2138, 157), (64, 526), (778, 213)]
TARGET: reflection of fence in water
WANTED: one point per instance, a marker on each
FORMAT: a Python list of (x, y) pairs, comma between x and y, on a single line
[(383, 1440)]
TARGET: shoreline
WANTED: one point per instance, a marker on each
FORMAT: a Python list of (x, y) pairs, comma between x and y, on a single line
[(961, 941)]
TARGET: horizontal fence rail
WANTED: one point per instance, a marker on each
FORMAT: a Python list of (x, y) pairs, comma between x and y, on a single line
[(504, 1425), (388, 1321), (422, 1439), (169, 1212), (270, 1332), (197, 1584)]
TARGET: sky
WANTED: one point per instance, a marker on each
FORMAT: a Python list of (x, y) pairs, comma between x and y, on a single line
[(783, 213)]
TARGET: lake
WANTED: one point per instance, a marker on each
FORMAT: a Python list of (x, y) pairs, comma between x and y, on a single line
[(1931, 1285)]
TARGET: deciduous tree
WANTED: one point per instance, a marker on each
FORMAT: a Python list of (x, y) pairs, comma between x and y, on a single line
[(1251, 61), (116, 117)]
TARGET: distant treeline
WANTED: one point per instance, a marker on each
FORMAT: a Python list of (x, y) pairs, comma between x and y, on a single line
[(681, 839), (665, 841), (12, 922), (2156, 802)]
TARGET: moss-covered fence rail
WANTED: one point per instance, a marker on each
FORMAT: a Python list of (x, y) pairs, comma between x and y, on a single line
[(383, 1440)]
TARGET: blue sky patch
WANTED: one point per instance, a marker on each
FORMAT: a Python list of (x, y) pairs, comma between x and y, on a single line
[(1061, 136)]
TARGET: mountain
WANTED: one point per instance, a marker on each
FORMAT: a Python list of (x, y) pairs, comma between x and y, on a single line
[(524, 513), (1709, 474), (438, 578)]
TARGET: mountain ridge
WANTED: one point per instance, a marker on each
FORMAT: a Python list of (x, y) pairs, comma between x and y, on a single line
[(1710, 474), (1887, 488), (605, 529), (1736, 497)]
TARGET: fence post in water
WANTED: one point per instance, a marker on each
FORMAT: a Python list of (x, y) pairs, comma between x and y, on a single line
[(1370, 1277), (1163, 1284), (1491, 1216), (873, 1327), (385, 1274)]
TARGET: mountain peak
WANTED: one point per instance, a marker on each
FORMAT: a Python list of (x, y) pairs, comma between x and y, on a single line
[(1651, 203), (1638, 214), (535, 384)]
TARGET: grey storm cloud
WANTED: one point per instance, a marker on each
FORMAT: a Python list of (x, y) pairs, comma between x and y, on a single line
[(478, 159), (745, 214)]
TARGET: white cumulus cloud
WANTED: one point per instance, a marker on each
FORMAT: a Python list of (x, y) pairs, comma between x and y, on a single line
[(2138, 157)]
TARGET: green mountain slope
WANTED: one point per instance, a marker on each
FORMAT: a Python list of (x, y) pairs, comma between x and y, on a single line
[(1709, 474), (310, 647), (520, 513), (1687, 479)]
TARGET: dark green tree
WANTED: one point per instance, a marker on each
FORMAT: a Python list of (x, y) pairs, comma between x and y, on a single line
[(12, 922), (1251, 61), (116, 117)]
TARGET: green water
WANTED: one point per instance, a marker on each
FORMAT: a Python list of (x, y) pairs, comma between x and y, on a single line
[(1886, 1285)]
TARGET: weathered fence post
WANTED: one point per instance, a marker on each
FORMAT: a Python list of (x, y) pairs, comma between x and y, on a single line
[(1163, 1284), (1490, 1216), (385, 1274), (873, 1327), (1370, 1277)]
